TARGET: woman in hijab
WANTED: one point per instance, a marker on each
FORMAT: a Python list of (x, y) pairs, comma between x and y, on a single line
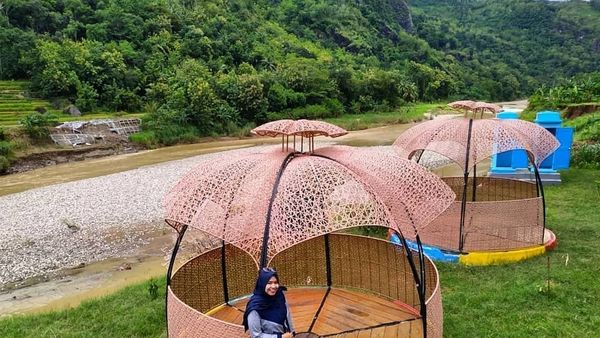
[(267, 314)]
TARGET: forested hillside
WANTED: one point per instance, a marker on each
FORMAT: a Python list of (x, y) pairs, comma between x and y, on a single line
[(213, 65), (514, 46)]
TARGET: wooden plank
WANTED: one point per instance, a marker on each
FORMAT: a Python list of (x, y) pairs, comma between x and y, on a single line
[(344, 310)]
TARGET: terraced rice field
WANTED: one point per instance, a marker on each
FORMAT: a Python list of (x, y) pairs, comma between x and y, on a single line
[(15, 103)]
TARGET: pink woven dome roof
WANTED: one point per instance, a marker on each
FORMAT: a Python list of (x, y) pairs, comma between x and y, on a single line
[(335, 188), (475, 105), (462, 104), (484, 106), (306, 128), (448, 137)]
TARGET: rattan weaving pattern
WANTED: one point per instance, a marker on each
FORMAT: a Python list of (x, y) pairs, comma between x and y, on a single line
[(303, 264), (198, 282), (492, 189), (187, 322), (241, 272), (449, 137), (318, 196), (435, 311), (229, 197), (413, 196), (374, 266), (462, 104), (495, 225)]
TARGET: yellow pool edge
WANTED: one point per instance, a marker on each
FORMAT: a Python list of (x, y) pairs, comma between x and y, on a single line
[(504, 257)]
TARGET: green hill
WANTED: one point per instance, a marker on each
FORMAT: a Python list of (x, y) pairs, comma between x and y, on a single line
[(546, 43), (213, 65)]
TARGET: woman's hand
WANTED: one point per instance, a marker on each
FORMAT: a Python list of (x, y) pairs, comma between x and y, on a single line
[(287, 335)]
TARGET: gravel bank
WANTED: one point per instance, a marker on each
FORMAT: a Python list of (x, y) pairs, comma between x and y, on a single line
[(60, 226)]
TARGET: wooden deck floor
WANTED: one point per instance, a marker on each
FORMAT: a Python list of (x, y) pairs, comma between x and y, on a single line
[(344, 314)]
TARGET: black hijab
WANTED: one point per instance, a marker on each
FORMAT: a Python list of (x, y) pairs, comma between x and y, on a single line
[(271, 308)]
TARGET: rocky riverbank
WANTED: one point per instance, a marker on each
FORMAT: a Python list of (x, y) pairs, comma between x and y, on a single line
[(66, 225)]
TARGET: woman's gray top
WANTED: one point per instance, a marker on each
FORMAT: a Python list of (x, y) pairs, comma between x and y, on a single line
[(260, 328)]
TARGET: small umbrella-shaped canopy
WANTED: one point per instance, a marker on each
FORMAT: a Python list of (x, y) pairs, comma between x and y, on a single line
[(452, 138), (484, 106), (306, 128), (462, 104), (266, 201)]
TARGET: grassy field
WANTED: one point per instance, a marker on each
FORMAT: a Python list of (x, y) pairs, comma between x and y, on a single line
[(410, 113), (514, 300), (131, 312), (494, 301)]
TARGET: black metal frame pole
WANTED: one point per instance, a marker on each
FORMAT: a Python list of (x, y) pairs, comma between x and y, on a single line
[(224, 273), (423, 281), (329, 282), (540, 191), (463, 207), (265, 244), (328, 260), (420, 155), (170, 271), (417, 277)]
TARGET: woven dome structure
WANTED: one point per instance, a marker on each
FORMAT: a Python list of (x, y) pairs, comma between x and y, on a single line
[(285, 209), (468, 142), (490, 213)]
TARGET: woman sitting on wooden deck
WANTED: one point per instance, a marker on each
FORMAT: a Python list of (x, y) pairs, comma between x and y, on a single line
[(267, 313)]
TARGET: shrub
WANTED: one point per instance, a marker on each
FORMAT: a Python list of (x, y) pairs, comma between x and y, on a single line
[(6, 149), (586, 156), (4, 164), (146, 138), (587, 127), (232, 129), (167, 134), (36, 124), (173, 134), (335, 107)]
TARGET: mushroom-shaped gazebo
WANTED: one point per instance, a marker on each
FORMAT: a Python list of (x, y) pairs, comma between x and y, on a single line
[(289, 210), (490, 215), (475, 107), (304, 128)]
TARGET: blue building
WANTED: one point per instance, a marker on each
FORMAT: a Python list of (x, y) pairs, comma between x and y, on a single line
[(561, 157), (514, 164)]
